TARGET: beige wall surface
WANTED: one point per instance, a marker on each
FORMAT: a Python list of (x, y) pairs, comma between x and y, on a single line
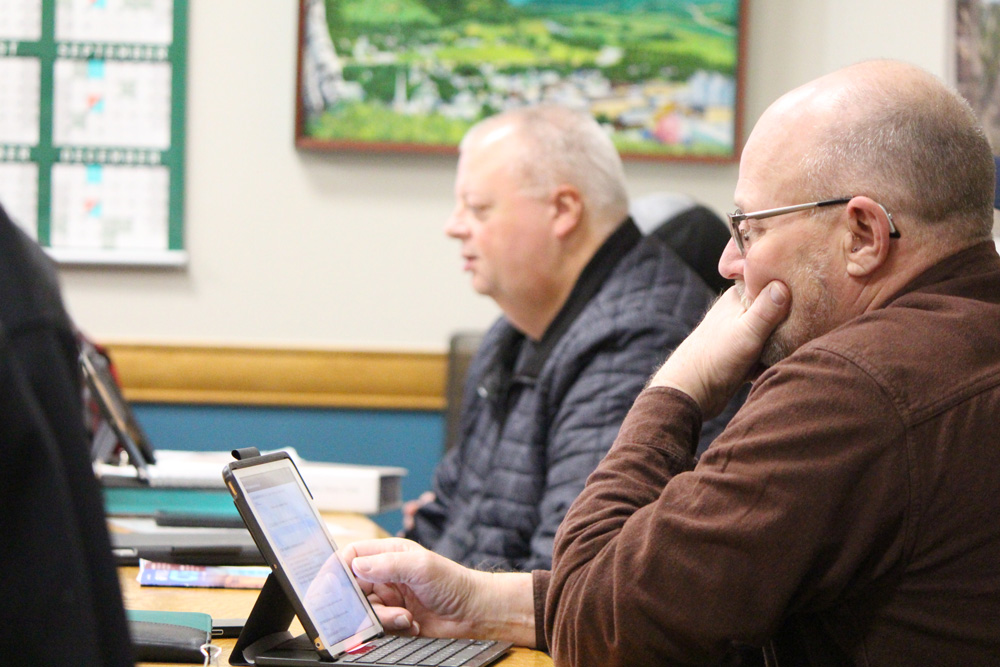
[(346, 250)]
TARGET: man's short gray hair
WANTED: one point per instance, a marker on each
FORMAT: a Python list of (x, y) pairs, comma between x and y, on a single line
[(915, 147), (561, 145)]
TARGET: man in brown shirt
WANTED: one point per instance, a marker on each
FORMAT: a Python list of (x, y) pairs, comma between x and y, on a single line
[(849, 512)]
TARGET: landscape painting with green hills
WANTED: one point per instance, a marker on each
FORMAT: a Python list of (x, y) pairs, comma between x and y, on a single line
[(662, 76)]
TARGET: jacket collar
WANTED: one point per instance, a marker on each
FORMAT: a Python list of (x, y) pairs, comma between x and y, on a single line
[(616, 246), (517, 360), (976, 259)]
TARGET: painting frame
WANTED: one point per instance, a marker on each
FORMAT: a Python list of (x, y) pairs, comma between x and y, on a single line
[(976, 61), (352, 75)]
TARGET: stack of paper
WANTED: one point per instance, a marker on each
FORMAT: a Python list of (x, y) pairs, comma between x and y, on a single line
[(173, 469), (337, 487)]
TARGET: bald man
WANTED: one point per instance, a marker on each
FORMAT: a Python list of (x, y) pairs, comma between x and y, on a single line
[(848, 513)]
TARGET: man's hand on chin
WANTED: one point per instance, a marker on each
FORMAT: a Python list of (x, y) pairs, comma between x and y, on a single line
[(724, 350)]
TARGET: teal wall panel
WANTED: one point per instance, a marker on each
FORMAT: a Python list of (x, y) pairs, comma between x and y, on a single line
[(412, 439)]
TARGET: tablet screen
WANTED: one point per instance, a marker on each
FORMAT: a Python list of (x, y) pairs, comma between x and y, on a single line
[(307, 554)]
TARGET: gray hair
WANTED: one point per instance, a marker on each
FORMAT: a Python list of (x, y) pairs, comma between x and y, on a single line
[(913, 145), (561, 145)]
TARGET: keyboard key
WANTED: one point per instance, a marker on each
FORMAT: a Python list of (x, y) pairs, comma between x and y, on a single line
[(421, 657), (383, 652), (446, 652), (419, 652), (466, 654), (384, 646), (407, 649)]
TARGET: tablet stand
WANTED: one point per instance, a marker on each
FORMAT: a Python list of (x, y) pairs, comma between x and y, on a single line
[(265, 633)]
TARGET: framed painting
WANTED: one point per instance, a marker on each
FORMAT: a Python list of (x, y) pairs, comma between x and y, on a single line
[(664, 77), (977, 61)]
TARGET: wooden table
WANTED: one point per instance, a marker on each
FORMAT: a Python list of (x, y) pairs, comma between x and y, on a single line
[(231, 603)]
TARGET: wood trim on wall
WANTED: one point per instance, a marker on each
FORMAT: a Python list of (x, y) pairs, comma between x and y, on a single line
[(229, 375)]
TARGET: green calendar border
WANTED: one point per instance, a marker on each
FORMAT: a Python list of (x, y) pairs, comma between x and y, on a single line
[(45, 154)]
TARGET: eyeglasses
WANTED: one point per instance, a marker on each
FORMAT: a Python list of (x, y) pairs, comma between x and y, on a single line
[(740, 235)]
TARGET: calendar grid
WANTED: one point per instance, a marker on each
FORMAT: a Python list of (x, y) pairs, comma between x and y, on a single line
[(92, 98), (43, 151)]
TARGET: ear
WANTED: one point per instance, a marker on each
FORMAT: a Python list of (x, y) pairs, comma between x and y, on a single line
[(567, 208), (866, 240)]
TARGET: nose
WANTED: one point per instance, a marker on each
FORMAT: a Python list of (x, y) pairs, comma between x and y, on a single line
[(731, 262), (456, 226)]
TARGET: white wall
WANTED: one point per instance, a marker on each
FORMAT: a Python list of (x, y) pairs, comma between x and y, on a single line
[(291, 248)]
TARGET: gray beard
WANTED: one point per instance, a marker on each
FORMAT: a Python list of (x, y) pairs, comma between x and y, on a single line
[(811, 316)]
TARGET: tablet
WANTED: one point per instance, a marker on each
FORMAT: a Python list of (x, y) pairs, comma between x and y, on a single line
[(294, 540), (283, 520), (114, 408)]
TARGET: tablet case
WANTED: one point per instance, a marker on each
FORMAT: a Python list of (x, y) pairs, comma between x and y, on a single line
[(169, 636)]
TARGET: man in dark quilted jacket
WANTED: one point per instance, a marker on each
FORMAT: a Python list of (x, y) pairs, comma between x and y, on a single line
[(590, 309)]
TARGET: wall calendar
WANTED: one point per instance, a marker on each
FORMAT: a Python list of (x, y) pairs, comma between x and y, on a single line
[(92, 99)]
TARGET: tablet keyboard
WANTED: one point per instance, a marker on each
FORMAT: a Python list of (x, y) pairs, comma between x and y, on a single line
[(424, 652)]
